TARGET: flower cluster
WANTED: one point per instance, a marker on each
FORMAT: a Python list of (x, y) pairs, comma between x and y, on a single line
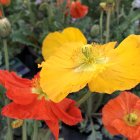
[(70, 64)]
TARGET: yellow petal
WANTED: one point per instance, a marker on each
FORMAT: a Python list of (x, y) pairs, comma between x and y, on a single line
[(55, 40), (123, 69), (58, 78)]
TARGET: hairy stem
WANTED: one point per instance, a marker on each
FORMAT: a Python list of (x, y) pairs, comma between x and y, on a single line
[(84, 98), (108, 25), (24, 131), (35, 133)]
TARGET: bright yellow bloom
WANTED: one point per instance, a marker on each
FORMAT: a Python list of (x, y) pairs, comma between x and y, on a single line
[(71, 64)]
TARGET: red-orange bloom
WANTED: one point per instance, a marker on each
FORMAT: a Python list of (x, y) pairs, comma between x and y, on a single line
[(5, 2), (122, 116), (29, 102), (77, 10)]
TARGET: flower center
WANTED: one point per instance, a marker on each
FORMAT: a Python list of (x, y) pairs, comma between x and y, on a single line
[(36, 89), (90, 58), (132, 119)]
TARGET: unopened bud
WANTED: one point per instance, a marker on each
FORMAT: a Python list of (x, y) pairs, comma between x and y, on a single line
[(103, 5), (107, 6), (95, 30), (5, 28)]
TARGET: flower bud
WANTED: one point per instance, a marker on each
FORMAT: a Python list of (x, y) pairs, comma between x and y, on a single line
[(107, 6), (103, 5), (95, 30), (5, 2), (5, 28)]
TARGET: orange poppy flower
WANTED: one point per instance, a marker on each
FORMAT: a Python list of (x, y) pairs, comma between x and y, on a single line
[(30, 102), (78, 10), (122, 116), (5, 2)]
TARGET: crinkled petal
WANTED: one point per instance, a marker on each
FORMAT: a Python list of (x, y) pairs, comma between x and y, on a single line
[(122, 70), (114, 112), (77, 10), (60, 75), (118, 107), (123, 128), (38, 110), (56, 40), (18, 89), (67, 111)]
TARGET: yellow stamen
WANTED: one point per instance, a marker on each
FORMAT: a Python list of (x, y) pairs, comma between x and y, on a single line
[(38, 90), (90, 59), (132, 119)]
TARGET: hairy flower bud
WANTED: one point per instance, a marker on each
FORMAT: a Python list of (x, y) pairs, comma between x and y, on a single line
[(95, 30), (5, 28)]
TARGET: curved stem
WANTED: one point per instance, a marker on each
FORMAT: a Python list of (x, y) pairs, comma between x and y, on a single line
[(24, 131), (35, 133), (108, 25), (84, 98)]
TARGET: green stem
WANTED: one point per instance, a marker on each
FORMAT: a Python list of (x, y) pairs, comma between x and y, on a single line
[(118, 9), (35, 133), (9, 135), (89, 106), (97, 114), (6, 56), (24, 131), (84, 98), (47, 136), (98, 103), (108, 25), (101, 26)]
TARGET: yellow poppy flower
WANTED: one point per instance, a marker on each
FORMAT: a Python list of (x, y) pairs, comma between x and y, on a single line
[(70, 64)]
